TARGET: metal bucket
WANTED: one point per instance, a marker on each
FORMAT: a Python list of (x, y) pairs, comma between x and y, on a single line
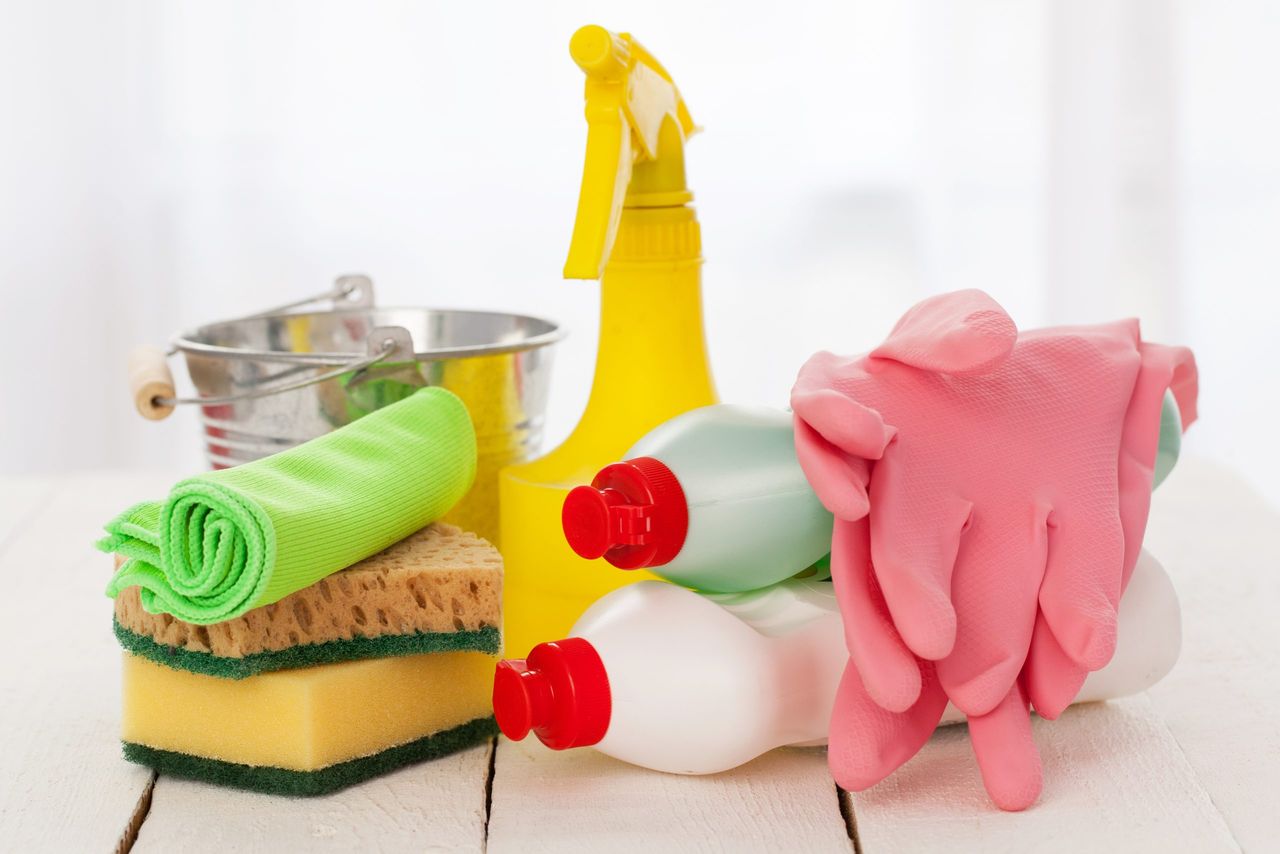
[(274, 380)]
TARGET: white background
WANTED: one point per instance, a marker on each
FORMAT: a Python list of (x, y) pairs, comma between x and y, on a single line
[(164, 164)]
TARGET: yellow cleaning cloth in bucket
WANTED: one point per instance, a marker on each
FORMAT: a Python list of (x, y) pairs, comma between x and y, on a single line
[(226, 542)]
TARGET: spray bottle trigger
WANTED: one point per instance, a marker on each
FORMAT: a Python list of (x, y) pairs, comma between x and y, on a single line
[(636, 119)]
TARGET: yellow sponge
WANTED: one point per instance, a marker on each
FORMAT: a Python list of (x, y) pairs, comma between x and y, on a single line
[(306, 730), (385, 663)]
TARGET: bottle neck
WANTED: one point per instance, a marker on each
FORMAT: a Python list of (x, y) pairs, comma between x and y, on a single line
[(652, 359)]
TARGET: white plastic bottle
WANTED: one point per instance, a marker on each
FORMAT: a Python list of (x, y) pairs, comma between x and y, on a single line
[(669, 679), (713, 499)]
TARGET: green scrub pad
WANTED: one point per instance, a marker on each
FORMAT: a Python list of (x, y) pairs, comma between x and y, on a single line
[(281, 781), (487, 639), (228, 541)]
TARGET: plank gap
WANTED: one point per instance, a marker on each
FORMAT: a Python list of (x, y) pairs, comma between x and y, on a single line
[(140, 812), (74, 792), (488, 787), (850, 820), (558, 802), (1196, 776)]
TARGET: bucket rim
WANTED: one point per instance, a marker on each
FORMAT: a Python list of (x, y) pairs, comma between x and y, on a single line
[(184, 341)]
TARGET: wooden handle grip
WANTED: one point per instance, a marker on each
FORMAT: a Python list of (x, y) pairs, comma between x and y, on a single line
[(149, 378)]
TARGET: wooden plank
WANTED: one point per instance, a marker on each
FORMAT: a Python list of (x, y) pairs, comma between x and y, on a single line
[(1144, 773), (1115, 780), (65, 786), (434, 806), (1220, 544), (582, 800)]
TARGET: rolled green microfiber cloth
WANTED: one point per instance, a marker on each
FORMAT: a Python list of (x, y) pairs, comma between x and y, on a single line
[(228, 541)]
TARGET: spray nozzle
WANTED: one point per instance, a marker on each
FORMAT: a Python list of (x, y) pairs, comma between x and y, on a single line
[(636, 127)]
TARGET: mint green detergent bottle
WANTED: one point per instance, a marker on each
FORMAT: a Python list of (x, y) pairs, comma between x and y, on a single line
[(713, 499)]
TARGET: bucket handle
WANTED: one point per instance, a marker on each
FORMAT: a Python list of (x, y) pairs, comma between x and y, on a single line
[(350, 291), (151, 381)]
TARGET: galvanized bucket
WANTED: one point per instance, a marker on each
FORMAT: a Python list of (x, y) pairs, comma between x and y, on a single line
[(273, 380)]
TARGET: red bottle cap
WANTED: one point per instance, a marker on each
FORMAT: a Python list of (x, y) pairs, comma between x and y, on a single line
[(561, 692), (633, 515)]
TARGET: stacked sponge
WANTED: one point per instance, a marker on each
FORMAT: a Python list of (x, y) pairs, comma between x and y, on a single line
[(385, 663)]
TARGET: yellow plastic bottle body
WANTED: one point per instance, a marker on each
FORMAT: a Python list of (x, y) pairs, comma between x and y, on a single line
[(652, 365)]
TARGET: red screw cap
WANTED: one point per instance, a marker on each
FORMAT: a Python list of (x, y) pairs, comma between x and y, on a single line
[(633, 515), (560, 692)]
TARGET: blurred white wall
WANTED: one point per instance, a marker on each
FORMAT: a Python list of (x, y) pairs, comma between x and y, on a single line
[(168, 163)]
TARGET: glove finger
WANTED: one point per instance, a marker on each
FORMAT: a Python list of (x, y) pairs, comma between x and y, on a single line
[(915, 536), (1053, 679), (959, 333), (1006, 752), (1163, 369), (1082, 580), (868, 742), (839, 480), (1134, 503), (888, 669), (998, 574)]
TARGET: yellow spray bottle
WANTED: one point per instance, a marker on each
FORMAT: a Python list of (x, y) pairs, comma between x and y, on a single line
[(637, 233)]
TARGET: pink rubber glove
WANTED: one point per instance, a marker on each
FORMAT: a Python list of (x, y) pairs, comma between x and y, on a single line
[(1007, 480), (1052, 678), (867, 741)]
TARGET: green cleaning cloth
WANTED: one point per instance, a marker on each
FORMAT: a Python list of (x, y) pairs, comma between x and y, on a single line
[(228, 541)]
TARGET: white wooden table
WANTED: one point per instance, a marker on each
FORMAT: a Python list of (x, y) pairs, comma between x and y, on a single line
[(1193, 765)]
